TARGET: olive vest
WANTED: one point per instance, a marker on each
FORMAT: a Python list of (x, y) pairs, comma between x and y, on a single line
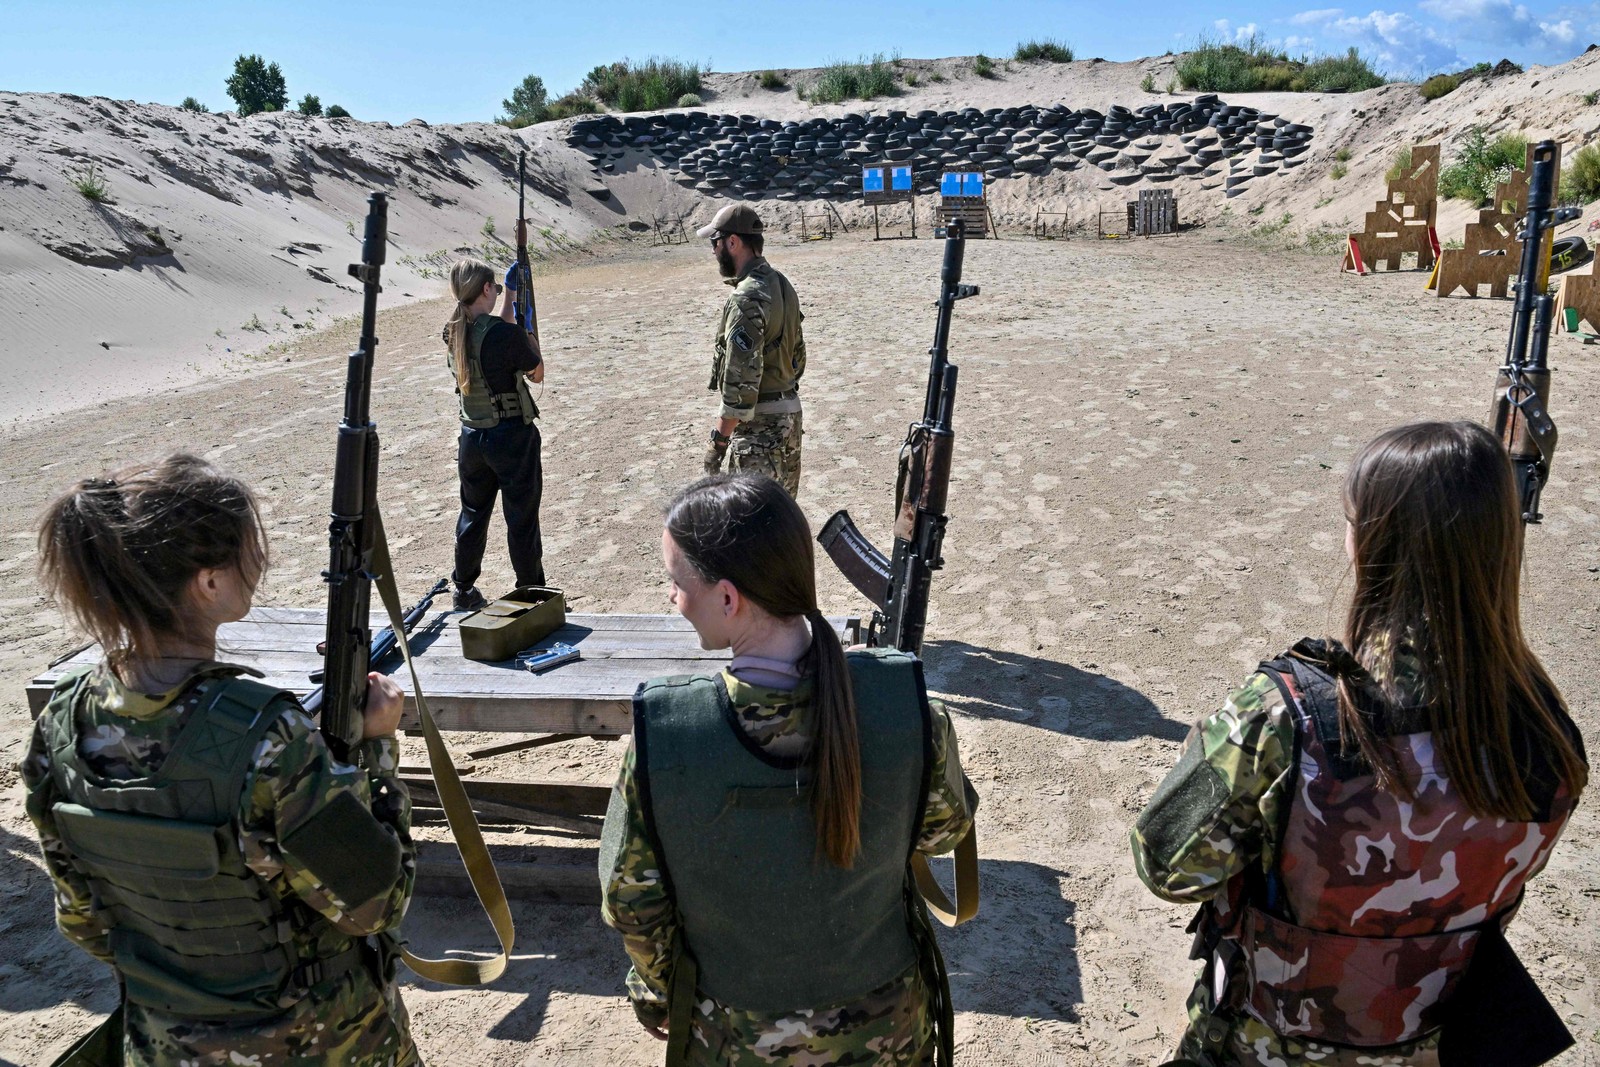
[(481, 409), (772, 926), (193, 931), (1366, 924)]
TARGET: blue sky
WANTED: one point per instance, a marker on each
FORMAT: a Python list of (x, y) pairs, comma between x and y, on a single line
[(456, 62)]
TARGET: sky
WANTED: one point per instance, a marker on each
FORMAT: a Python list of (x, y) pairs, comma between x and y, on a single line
[(456, 63)]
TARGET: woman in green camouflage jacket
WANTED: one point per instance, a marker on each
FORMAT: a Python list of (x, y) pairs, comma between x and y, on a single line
[(202, 839), (756, 848)]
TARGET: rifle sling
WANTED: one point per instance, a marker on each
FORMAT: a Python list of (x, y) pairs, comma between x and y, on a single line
[(966, 902), (457, 808)]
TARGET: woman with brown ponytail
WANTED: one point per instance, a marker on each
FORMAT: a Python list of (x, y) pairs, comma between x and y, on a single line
[(493, 360), (756, 850), (1360, 819), (243, 884)]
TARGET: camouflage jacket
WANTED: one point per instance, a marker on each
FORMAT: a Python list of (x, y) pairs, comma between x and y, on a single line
[(1220, 814), (355, 1019), (760, 348), (891, 1025)]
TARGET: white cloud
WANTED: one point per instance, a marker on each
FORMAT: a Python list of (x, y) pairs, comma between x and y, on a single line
[(1561, 32), (1319, 15)]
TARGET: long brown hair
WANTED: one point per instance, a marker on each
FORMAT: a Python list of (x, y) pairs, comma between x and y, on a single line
[(467, 279), (118, 552), (748, 529), (1438, 550)]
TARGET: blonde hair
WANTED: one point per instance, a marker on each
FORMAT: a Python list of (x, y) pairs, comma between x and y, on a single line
[(467, 279)]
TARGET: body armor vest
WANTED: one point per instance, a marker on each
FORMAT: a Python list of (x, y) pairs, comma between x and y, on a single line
[(481, 409), (1368, 922), (772, 926), (193, 931)]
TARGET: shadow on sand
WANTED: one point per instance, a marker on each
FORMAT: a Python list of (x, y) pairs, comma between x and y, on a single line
[(1043, 693)]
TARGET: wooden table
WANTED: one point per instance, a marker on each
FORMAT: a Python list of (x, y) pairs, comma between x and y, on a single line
[(591, 697)]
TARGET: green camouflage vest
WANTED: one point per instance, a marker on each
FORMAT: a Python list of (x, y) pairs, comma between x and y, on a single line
[(771, 926), (193, 931), (783, 353), (480, 409)]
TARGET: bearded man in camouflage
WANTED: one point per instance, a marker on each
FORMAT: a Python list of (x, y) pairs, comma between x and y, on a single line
[(760, 356)]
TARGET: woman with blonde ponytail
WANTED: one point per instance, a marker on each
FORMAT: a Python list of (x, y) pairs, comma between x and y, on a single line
[(498, 453), (756, 849)]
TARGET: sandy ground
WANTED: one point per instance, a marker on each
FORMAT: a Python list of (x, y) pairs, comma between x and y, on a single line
[(1151, 437)]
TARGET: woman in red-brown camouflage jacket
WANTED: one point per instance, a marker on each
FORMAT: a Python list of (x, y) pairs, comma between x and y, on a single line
[(1357, 815)]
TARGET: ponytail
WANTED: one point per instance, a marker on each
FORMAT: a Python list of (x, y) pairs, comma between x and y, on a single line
[(747, 529), (836, 749), (467, 279)]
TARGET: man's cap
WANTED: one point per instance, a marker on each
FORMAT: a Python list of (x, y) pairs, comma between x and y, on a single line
[(735, 218)]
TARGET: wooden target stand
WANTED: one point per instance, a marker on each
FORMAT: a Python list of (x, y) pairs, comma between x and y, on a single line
[(962, 195), (886, 184), (1401, 224)]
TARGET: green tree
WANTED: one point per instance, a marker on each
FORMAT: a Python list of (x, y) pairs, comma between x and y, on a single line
[(336, 112), (257, 85), (191, 104), (310, 105), (528, 102)]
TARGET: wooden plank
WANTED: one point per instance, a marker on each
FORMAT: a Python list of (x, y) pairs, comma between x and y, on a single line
[(561, 798), (425, 795)]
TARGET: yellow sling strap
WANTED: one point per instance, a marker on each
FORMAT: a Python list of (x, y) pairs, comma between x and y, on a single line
[(966, 902), (457, 809)]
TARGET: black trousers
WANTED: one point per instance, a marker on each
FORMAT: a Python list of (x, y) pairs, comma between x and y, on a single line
[(502, 460)]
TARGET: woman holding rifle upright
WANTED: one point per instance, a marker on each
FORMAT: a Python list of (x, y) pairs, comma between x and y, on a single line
[(203, 841), (493, 360), (757, 851), (1360, 819)]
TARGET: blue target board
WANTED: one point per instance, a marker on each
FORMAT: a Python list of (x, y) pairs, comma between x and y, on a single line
[(950, 185), (900, 179), (972, 185), (872, 179)]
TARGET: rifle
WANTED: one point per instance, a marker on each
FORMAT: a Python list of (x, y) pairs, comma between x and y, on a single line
[(348, 641), (384, 642), (527, 312), (358, 558), (898, 587), (1519, 411)]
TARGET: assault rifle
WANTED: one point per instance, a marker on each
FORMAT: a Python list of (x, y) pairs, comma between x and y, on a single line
[(1519, 411), (384, 642), (351, 531), (527, 312), (898, 586)]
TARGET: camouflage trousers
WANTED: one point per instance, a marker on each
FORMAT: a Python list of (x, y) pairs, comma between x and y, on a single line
[(1251, 1043), (770, 445)]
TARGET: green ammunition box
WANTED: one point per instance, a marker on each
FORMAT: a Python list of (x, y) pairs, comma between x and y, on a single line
[(511, 623)]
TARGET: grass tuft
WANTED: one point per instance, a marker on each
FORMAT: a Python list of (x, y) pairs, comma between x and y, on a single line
[(91, 183), (1580, 179), (1047, 49), (1252, 67), (1400, 167), (1439, 85), (983, 66), (865, 79), (649, 86), (771, 79), (1481, 165)]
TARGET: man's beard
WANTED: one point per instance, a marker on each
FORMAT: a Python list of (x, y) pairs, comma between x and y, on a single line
[(725, 263)]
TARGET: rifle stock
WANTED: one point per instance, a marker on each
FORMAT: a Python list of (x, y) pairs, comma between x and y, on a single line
[(348, 639), (898, 586)]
